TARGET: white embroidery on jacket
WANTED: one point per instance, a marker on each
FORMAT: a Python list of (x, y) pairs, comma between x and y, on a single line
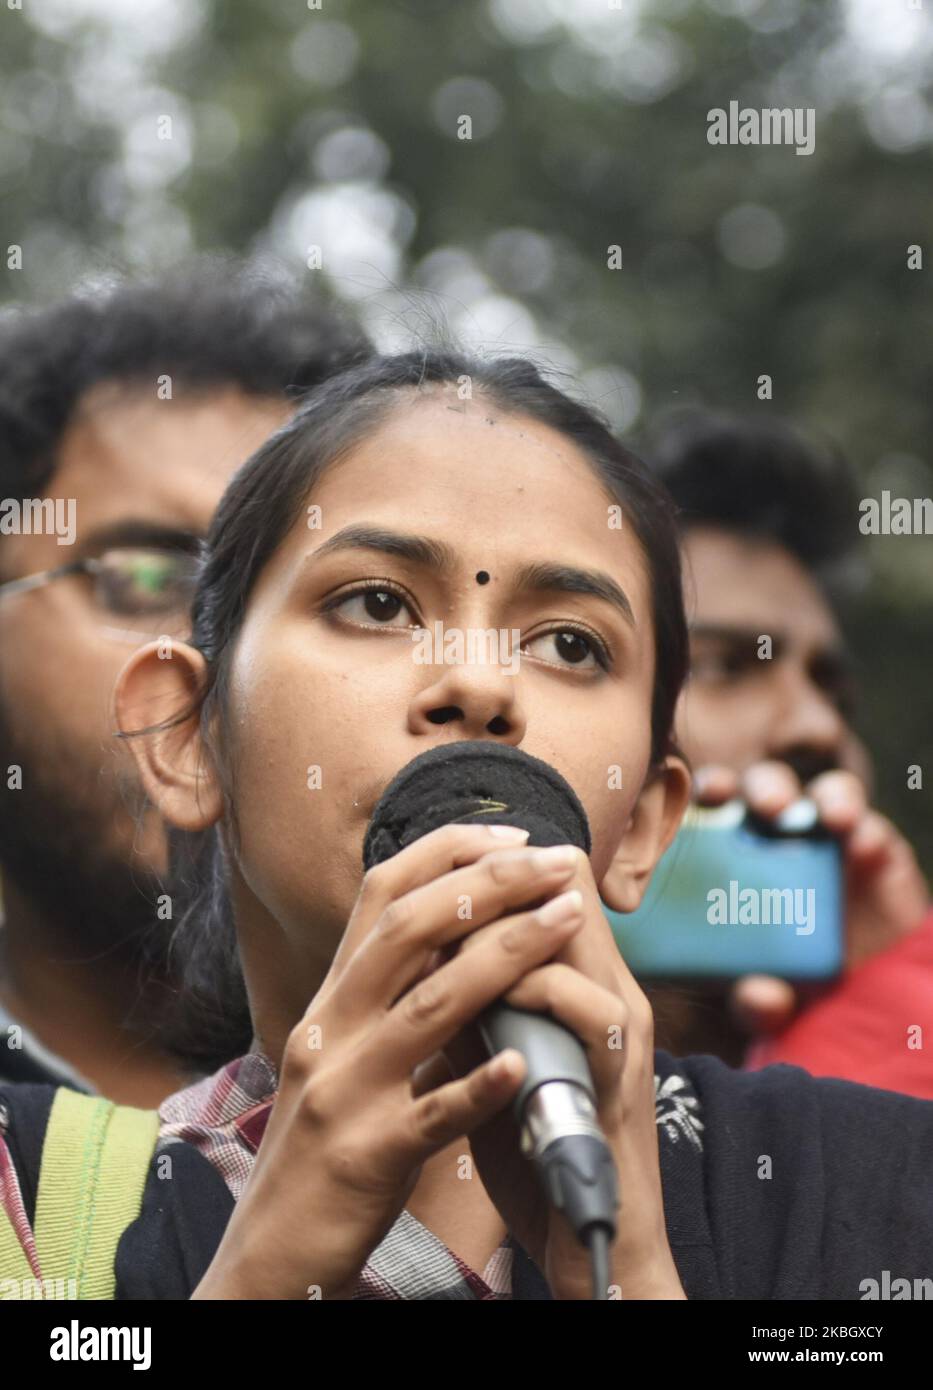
[(674, 1110)]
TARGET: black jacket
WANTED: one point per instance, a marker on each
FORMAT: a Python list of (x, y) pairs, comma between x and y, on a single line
[(793, 1188)]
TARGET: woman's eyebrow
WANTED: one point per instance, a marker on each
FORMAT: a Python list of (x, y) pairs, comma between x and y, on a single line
[(539, 576), (568, 579), (432, 555)]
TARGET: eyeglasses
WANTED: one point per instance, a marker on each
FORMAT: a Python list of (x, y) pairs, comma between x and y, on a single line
[(152, 587)]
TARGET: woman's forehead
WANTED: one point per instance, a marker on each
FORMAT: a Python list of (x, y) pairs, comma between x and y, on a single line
[(439, 452), (439, 415), (497, 487)]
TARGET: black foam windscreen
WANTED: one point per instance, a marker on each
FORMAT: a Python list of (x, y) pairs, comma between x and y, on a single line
[(469, 782)]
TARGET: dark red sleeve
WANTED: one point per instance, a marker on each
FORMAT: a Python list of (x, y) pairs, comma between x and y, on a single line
[(874, 1026)]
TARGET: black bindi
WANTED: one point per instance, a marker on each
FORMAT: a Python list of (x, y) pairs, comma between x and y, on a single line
[(482, 577)]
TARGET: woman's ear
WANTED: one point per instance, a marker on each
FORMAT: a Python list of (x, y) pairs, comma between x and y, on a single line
[(652, 826), (159, 682)]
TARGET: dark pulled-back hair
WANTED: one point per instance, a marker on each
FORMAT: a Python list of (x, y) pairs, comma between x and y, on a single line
[(762, 478), (267, 497)]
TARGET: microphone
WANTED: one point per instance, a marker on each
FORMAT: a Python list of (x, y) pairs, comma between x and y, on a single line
[(467, 783)]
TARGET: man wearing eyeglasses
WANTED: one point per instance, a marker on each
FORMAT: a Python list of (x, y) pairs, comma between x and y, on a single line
[(137, 407)]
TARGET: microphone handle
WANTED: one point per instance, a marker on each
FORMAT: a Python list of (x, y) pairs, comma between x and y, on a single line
[(551, 1051), (556, 1105), (556, 1113)]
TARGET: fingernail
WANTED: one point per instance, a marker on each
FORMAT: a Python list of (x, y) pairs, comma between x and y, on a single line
[(702, 780), (561, 909), (508, 832), (558, 857), (761, 784), (502, 1065)]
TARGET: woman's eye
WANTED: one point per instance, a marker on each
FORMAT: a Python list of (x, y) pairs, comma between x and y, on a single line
[(574, 649), (373, 607)]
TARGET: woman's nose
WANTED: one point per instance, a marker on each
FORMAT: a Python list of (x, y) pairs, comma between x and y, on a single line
[(479, 699)]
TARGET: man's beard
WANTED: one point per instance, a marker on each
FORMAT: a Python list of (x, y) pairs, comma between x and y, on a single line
[(57, 847)]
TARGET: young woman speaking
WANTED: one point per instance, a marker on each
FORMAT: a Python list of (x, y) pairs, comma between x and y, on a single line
[(363, 1148)]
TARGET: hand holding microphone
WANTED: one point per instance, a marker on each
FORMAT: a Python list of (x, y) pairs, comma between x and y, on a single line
[(350, 1127), (466, 783), (588, 996)]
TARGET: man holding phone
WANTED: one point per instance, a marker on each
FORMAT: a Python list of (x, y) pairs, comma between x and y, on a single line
[(770, 537)]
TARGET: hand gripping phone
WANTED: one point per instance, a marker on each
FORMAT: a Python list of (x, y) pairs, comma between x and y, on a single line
[(735, 895)]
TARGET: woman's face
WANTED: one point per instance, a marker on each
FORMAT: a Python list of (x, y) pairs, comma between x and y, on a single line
[(328, 697)]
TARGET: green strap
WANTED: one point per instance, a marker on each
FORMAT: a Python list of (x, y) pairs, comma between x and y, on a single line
[(94, 1164), (15, 1269)]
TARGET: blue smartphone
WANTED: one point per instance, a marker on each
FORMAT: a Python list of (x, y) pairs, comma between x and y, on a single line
[(736, 895)]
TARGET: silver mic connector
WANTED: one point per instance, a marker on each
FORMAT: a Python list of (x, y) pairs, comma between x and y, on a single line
[(554, 1111)]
